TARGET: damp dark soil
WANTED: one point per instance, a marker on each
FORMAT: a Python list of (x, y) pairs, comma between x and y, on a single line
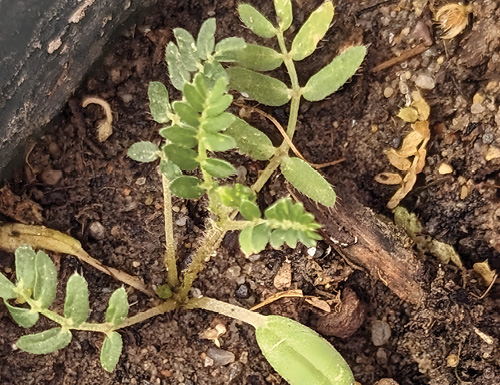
[(73, 183)]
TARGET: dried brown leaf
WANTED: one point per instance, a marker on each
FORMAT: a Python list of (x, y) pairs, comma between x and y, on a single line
[(319, 303), (408, 114), (388, 178), (410, 144), (401, 163), (422, 128)]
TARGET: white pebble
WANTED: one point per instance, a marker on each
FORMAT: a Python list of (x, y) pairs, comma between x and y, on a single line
[(425, 82)]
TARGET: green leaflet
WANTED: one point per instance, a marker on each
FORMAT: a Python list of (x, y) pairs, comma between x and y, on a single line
[(187, 187), (312, 31), (253, 239), (25, 318), (159, 104), (300, 355), (143, 152), (240, 197), (117, 307), (262, 88), (251, 141), (179, 75), (219, 105), (227, 48), (284, 12), (258, 58), (308, 181), (206, 39), (183, 136), (45, 280), (45, 342), (76, 303), (256, 21), (187, 113), (25, 267), (330, 78), (249, 210), (111, 351), (193, 97), (218, 168), (219, 142), (170, 169), (187, 49), (218, 123), (6, 288), (181, 156)]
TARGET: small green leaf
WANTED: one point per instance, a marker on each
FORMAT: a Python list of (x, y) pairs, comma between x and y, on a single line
[(251, 141), (6, 288), (218, 123), (25, 318), (253, 239), (262, 88), (111, 351), (206, 39), (193, 97), (226, 49), (183, 136), (164, 291), (179, 75), (45, 342), (233, 196), (187, 113), (25, 266), (187, 187), (284, 12), (218, 168), (300, 355), (143, 152), (256, 21), (214, 71), (219, 142), (76, 304), (218, 106), (187, 49), (308, 181), (182, 156), (45, 280), (159, 104), (258, 58), (312, 31), (118, 307), (170, 169), (334, 75), (249, 210)]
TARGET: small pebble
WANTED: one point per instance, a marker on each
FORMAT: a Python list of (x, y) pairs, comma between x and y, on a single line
[(51, 177), (425, 82), (476, 108), (97, 230), (243, 291), (136, 264), (233, 272), (445, 169), (388, 92), (488, 138), (220, 357), (54, 150), (181, 222), (140, 181), (381, 333)]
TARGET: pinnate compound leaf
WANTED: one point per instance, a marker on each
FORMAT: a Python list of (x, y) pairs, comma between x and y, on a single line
[(218, 168), (253, 239), (187, 187), (226, 49), (258, 58), (259, 87), (179, 75), (219, 142), (181, 156), (170, 169), (284, 12), (256, 21), (187, 49), (159, 104), (250, 140), (6, 288), (334, 75), (206, 39), (45, 342), (25, 318), (312, 31), (183, 136), (25, 266), (117, 309), (76, 303), (111, 351), (308, 181), (144, 152), (45, 280), (300, 355)]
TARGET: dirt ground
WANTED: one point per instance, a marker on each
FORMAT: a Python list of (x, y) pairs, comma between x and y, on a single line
[(113, 205)]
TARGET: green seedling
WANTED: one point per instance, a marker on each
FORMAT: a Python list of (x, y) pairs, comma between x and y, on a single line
[(196, 130)]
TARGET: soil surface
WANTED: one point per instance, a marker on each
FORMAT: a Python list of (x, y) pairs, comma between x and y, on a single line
[(113, 205)]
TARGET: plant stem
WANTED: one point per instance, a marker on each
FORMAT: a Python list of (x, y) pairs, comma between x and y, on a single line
[(166, 306), (169, 258), (224, 308)]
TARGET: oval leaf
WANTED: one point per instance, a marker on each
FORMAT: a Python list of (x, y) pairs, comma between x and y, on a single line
[(76, 304), (187, 49), (111, 351), (45, 342), (262, 88), (308, 181), (25, 318), (334, 75), (182, 156), (284, 12), (218, 123), (159, 104), (6, 288), (226, 49), (251, 141), (45, 280), (187, 113), (218, 168), (184, 136), (258, 58), (312, 31), (249, 210), (187, 187), (25, 266), (253, 239), (300, 355), (170, 169), (206, 38), (118, 307), (179, 75), (256, 21), (219, 142), (143, 152)]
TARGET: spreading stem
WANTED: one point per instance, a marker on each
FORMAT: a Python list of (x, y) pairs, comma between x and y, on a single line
[(169, 258)]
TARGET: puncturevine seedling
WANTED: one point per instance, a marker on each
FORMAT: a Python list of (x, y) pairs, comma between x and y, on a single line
[(195, 130)]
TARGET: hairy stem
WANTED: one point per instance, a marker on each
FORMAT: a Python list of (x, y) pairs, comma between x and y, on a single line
[(169, 258), (166, 306)]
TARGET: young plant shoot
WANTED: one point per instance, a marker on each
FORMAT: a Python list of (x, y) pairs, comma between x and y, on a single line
[(196, 130)]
